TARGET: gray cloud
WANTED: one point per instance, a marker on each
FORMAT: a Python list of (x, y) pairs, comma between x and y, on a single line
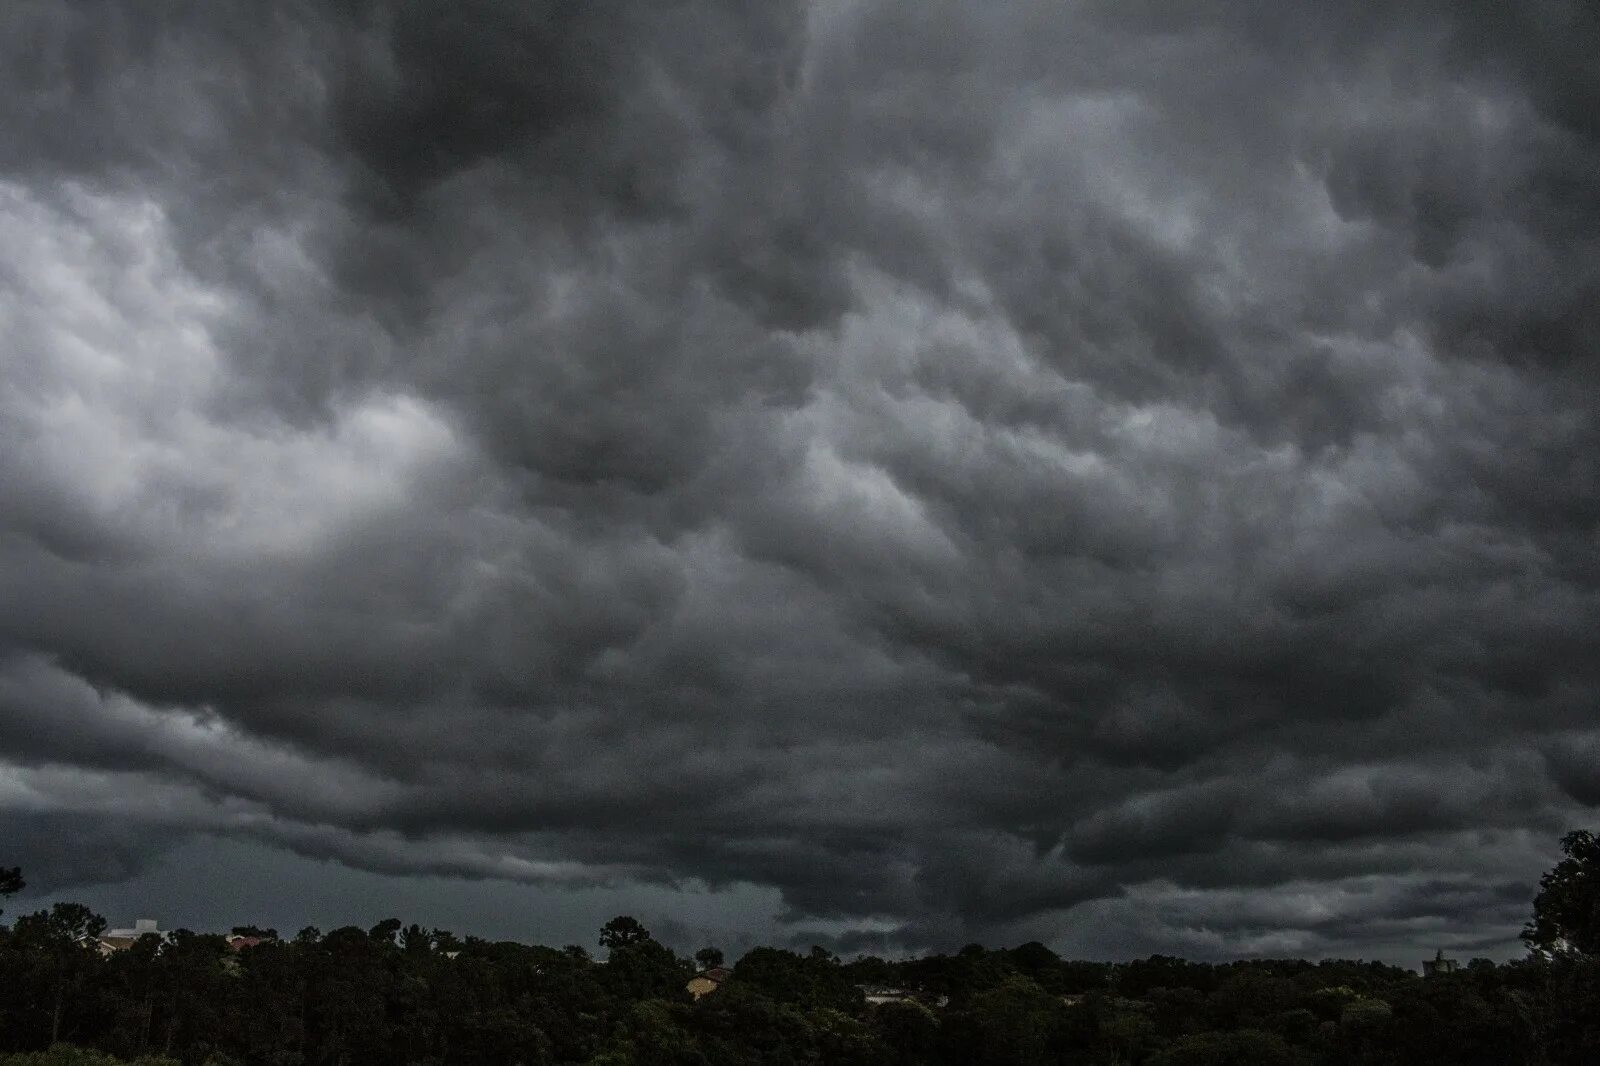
[(972, 471)]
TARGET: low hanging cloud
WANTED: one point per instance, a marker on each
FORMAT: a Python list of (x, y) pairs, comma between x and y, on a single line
[(981, 471)]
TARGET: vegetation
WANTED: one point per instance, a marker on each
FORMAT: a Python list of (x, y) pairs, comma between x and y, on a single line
[(403, 994), (1566, 912)]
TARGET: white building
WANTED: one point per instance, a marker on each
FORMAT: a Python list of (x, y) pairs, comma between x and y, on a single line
[(141, 926), (123, 939)]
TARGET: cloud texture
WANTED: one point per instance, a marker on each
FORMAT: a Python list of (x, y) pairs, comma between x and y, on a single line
[(980, 470)]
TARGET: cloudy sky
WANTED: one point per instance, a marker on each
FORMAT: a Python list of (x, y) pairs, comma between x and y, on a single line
[(887, 473)]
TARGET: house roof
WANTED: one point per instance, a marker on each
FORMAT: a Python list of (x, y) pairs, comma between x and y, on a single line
[(718, 974)]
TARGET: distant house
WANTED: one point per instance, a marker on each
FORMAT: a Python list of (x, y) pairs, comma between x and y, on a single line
[(238, 942), (1439, 965), (707, 981), (114, 940), (876, 994)]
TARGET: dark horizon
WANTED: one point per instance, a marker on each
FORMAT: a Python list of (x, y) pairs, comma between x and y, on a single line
[(508, 924), (856, 472), (288, 895)]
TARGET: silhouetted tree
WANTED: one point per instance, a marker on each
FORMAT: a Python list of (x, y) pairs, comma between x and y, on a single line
[(1566, 912), (62, 944), (621, 932), (637, 967), (11, 882), (255, 931)]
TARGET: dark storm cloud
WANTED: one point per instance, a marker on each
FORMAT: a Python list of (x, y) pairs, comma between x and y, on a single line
[(977, 470), (70, 850)]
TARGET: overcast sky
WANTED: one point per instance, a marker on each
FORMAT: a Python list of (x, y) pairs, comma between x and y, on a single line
[(886, 473)]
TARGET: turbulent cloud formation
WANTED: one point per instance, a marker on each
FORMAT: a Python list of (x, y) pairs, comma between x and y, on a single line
[(982, 471)]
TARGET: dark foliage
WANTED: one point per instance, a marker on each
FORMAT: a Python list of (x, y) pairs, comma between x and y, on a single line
[(1566, 912), (11, 882)]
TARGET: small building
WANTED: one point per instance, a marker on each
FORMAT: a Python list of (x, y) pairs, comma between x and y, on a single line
[(879, 994), (1439, 965), (707, 981), (238, 941), (113, 940)]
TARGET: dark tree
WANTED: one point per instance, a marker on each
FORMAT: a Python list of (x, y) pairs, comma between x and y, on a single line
[(63, 942), (1566, 912), (622, 931), (1016, 1023), (637, 967), (909, 1031), (385, 931), (255, 931), (11, 882), (708, 957), (811, 981)]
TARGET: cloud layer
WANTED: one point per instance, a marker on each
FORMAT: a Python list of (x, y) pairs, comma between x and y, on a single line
[(980, 471)]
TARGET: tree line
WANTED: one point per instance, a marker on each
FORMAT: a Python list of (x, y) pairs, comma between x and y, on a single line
[(398, 993)]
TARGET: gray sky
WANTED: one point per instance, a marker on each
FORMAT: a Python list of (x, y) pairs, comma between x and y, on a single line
[(887, 474)]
